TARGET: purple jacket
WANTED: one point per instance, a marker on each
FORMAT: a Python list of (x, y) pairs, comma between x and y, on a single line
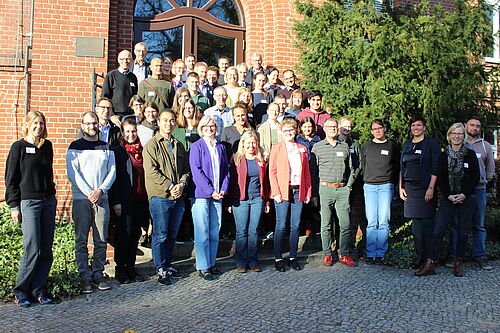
[(201, 169)]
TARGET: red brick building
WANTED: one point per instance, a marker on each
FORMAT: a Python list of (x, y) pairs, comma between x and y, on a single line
[(66, 41)]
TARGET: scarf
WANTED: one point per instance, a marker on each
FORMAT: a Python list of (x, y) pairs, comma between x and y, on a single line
[(152, 126), (134, 149), (455, 168)]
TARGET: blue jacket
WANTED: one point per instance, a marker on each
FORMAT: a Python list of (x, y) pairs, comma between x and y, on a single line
[(428, 162)]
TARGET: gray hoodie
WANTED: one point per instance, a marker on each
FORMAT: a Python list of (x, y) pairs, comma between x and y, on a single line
[(485, 158)]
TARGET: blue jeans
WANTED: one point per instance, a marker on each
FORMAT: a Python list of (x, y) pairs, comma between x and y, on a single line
[(247, 214), (478, 230), (38, 221), (166, 216), (287, 211), (207, 216), (378, 200)]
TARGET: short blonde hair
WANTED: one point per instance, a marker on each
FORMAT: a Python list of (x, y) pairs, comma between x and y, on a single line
[(229, 69), (454, 127), (29, 119), (204, 122), (288, 122)]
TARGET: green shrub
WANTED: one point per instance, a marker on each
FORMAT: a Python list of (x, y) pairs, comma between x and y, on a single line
[(63, 278)]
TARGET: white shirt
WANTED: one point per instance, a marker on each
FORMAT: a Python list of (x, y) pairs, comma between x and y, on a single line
[(214, 160), (292, 150)]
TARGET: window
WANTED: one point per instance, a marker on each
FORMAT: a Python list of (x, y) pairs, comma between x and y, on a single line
[(175, 28), (494, 54)]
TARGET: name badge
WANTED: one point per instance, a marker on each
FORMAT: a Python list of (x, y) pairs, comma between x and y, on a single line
[(263, 101), (188, 134), (466, 165), (384, 152), (418, 151), (340, 154), (302, 150), (478, 155), (250, 115), (151, 93), (132, 84), (30, 150), (351, 150)]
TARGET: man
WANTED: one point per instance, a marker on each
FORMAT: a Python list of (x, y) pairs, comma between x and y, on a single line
[(242, 75), (256, 61), (220, 112), (91, 170), (155, 88), (486, 161), (212, 78), (166, 170), (121, 84), (357, 196), (193, 82), (139, 66), (201, 69), (315, 112), (223, 64), (190, 62), (178, 70), (281, 101), (108, 131), (332, 176), (290, 85)]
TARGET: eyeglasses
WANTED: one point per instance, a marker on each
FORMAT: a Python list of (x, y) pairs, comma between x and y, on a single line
[(288, 130), (377, 129), (90, 124), (209, 126), (105, 107), (456, 134)]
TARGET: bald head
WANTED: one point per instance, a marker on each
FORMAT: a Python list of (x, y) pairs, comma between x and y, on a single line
[(156, 67), (125, 59)]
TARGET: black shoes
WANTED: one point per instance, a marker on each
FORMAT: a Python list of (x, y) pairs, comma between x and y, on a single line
[(294, 264), (280, 265), (163, 277), (214, 271)]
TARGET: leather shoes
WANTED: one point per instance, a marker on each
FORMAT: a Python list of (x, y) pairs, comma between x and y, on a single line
[(294, 264), (256, 268), (346, 260), (328, 260), (279, 265), (241, 270), (457, 268), (428, 269)]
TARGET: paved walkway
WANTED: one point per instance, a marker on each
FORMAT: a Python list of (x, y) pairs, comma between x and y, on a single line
[(316, 299)]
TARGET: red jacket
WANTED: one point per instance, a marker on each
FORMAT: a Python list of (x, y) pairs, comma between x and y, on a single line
[(238, 180), (279, 172)]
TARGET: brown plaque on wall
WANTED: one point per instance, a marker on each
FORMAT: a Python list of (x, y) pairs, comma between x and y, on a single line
[(90, 47)]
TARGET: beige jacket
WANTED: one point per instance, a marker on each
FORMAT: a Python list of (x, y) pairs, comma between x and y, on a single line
[(264, 131)]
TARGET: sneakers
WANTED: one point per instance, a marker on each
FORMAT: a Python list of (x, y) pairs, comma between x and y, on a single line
[(173, 273), (328, 260), (279, 265), (294, 264), (163, 277), (102, 284), (483, 263), (206, 275), (346, 260), (87, 287), (44, 300), (23, 302)]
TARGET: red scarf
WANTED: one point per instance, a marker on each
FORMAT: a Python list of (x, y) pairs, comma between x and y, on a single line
[(134, 149)]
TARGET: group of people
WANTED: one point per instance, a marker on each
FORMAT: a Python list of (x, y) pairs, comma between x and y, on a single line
[(172, 139)]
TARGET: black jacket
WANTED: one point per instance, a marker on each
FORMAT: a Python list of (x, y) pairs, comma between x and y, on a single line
[(470, 178)]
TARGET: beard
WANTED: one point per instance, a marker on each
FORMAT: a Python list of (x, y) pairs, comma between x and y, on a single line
[(90, 132)]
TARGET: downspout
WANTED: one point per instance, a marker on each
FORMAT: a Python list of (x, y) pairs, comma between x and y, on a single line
[(29, 46)]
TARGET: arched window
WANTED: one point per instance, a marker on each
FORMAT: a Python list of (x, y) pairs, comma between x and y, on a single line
[(175, 28)]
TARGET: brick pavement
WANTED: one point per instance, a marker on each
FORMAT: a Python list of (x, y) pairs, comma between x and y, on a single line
[(316, 299)]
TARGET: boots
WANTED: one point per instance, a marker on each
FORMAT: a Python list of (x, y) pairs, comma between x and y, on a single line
[(457, 268), (420, 249), (428, 269)]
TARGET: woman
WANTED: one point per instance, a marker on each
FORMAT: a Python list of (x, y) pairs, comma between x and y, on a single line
[(231, 135), (245, 96), (260, 97), (307, 133), (167, 68), (417, 181), (149, 125), (210, 171), (273, 80), (182, 94), (30, 194), (380, 165), (248, 193), (458, 175), (186, 130), (136, 104), (290, 180), (269, 130), (232, 87), (296, 103), (129, 200)]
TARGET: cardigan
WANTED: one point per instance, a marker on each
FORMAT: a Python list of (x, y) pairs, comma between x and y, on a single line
[(279, 173), (201, 169), (428, 162), (238, 180), (470, 178)]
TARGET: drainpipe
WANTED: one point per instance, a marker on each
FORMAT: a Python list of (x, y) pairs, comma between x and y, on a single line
[(29, 46)]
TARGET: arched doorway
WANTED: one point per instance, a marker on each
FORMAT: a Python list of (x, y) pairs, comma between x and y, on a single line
[(175, 28)]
